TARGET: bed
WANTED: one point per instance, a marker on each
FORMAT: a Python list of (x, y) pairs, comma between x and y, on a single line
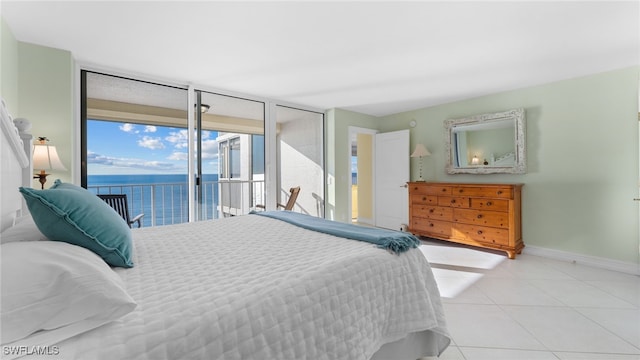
[(244, 287)]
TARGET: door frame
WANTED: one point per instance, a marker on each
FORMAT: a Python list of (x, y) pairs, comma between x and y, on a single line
[(352, 132)]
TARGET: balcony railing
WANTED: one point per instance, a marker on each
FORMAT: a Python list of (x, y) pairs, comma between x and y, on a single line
[(167, 203)]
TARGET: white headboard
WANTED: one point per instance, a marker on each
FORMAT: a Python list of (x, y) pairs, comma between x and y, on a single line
[(14, 166)]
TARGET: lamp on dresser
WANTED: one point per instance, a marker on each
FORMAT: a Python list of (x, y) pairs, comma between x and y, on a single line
[(45, 157), (420, 152)]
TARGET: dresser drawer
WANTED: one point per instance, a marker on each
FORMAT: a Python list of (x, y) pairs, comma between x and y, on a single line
[(493, 192), (481, 217), (483, 234), (433, 212), (454, 201), (424, 199), (429, 189), (490, 204), (433, 227)]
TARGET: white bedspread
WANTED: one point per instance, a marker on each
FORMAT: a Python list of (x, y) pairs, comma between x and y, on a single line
[(250, 287)]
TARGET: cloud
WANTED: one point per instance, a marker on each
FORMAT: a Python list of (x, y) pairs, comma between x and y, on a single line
[(183, 156), (93, 158), (150, 129), (179, 139), (209, 149), (151, 143), (138, 164), (128, 128), (179, 156), (158, 165)]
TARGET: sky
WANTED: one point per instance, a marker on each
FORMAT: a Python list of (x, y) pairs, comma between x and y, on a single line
[(116, 148)]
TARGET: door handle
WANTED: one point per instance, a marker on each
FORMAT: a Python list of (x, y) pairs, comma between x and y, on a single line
[(404, 186), (636, 199)]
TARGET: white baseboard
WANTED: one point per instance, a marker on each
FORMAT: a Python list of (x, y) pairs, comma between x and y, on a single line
[(603, 263), (367, 221)]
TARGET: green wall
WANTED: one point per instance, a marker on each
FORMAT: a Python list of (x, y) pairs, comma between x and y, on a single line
[(37, 84), (582, 157), (45, 97), (9, 68)]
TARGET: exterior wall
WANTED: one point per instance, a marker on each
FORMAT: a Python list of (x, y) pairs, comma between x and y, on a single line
[(301, 164), (234, 191)]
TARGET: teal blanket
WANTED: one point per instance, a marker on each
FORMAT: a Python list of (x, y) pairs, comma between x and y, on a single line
[(394, 241)]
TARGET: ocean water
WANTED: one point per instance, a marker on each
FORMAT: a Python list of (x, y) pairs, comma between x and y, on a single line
[(163, 198)]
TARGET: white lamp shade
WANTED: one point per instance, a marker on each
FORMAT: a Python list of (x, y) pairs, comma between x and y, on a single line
[(420, 151), (45, 157)]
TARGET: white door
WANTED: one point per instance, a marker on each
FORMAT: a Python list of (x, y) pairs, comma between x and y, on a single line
[(391, 177)]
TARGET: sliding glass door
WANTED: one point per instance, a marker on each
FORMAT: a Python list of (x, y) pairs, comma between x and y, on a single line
[(183, 154), (300, 158), (230, 155), (134, 137)]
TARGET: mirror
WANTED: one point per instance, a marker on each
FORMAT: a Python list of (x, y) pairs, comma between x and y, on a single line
[(486, 144)]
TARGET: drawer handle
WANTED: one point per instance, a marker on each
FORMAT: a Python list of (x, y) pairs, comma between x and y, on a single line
[(453, 201), (479, 216), (479, 232), (461, 191), (489, 203), (444, 190), (424, 198), (431, 211), (415, 188), (431, 225), (499, 192)]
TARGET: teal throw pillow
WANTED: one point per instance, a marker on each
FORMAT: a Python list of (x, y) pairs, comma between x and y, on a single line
[(72, 214)]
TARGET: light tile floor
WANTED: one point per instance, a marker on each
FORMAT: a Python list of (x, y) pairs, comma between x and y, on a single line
[(533, 307)]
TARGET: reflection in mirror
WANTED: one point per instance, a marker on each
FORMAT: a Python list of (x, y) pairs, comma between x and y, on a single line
[(478, 144), (485, 144)]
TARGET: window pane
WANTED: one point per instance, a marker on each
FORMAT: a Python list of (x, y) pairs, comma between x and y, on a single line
[(234, 158), (300, 158), (257, 158), (134, 137), (235, 122)]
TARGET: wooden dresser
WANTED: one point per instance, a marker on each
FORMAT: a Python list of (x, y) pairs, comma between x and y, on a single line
[(486, 215)]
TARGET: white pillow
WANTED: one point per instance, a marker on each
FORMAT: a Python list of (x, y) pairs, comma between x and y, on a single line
[(53, 290), (24, 230)]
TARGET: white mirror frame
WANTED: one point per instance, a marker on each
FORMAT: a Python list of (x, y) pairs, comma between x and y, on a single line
[(520, 166)]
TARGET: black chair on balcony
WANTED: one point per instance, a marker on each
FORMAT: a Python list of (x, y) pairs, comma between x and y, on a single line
[(119, 203)]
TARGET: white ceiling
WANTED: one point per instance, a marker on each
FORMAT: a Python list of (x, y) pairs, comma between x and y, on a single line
[(376, 58)]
